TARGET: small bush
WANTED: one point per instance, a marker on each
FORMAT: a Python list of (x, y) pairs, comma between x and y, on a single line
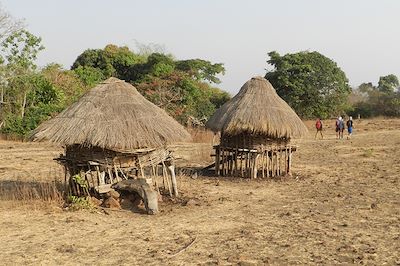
[(76, 203)]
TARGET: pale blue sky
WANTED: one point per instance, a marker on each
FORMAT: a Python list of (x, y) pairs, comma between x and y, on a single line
[(362, 36)]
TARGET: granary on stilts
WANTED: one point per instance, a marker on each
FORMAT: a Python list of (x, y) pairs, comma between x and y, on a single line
[(256, 129), (110, 134)]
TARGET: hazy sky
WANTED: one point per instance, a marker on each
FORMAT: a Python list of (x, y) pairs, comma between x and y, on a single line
[(362, 36)]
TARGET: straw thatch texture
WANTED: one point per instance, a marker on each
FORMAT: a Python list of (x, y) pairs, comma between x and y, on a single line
[(115, 116), (257, 109)]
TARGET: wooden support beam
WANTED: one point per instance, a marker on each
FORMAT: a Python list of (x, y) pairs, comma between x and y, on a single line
[(217, 155), (171, 167), (263, 164), (255, 162)]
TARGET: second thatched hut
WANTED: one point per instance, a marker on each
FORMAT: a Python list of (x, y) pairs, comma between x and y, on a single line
[(256, 128), (110, 134)]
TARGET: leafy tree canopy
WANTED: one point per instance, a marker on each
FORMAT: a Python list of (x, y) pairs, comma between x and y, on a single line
[(312, 84), (112, 60), (201, 69), (182, 87), (21, 48), (380, 100), (388, 84)]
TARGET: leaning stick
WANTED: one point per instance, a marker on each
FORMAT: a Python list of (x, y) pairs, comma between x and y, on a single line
[(185, 248)]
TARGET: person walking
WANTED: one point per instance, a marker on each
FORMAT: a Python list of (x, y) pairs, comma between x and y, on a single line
[(337, 129), (341, 127), (349, 125), (318, 126)]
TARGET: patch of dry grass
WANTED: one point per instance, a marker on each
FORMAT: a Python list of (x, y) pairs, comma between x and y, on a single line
[(202, 135), (17, 193)]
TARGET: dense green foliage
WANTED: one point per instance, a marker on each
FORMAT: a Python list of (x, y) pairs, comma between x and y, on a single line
[(312, 84), (383, 99), (308, 81), (181, 87), (30, 96)]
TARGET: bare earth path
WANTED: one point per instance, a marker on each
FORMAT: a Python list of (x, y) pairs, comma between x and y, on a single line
[(342, 207)]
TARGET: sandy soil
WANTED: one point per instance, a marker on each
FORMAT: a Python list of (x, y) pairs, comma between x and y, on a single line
[(341, 207)]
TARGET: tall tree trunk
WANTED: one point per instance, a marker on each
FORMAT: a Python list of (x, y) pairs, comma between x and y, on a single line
[(23, 106), (1, 105)]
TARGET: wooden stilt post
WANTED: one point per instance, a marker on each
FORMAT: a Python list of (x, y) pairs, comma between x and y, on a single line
[(165, 174), (236, 162), (289, 162), (217, 159), (255, 162), (110, 175), (274, 163), (267, 162), (263, 164), (229, 161), (171, 168), (222, 161), (116, 173), (279, 160), (241, 164), (249, 164), (286, 160)]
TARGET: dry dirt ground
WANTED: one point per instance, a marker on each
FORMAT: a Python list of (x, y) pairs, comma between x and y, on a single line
[(341, 207)]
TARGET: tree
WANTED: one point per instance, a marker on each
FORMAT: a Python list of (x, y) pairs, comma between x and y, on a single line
[(388, 84), (201, 69), (380, 100), (21, 49), (41, 101), (156, 65), (8, 24), (71, 83), (181, 87), (112, 60), (90, 76), (312, 84)]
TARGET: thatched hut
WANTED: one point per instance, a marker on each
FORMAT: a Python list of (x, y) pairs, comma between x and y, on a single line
[(256, 130), (111, 133)]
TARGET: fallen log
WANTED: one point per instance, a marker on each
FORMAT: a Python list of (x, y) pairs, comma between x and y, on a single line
[(141, 188)]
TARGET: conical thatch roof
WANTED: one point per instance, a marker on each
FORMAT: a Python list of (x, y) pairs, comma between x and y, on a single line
[(115, 116), (257, 109)]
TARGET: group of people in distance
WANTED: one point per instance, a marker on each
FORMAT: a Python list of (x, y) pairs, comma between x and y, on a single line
[(339, 127)]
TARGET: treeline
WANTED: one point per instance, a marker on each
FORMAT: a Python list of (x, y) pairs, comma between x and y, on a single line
[(382, 100), (182, 87), (312, 84), (29, 95)]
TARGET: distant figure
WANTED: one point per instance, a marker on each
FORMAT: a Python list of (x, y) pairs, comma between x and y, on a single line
[(341, 127), (337, 129), (318, 126), (349, 127)]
